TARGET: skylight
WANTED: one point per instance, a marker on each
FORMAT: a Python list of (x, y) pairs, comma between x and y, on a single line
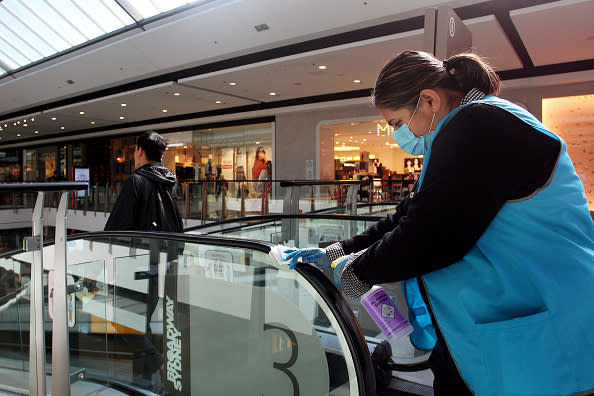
[(32, 30)]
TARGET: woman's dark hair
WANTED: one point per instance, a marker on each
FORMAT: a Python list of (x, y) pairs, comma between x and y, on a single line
[(408, 73), (153, 144)]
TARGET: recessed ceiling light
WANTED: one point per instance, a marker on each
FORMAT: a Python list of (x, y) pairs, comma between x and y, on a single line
[(81, 112), (93, 122), (272, 93), (218, 102), (5, 125), (25, 124), (18, 134), (185, 146), (164, 110), (36, 132), (61, 127), (123, 105), (257, 142), (322, 67), (232, 83), (357, 81), (32, 119), (18, 122), (122, 117), (176, 94), (53, 118)]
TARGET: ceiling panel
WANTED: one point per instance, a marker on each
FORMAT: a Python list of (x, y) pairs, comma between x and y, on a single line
[(142, 104), (557, 32), (301, 76), (489, 40)]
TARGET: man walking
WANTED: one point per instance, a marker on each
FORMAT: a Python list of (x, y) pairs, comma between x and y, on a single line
[(146, 202)]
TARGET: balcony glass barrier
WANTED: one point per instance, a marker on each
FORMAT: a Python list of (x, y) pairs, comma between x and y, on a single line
[(186, 314), (215, 200), (15, 278)]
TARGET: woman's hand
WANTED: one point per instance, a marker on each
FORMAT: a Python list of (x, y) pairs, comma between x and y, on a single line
[(315, 256)]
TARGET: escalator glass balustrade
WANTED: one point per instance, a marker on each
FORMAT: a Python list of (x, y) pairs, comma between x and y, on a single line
[(183, 315)]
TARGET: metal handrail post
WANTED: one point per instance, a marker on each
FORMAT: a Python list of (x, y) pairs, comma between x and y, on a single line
[(224, 202), (187, 200), (36, 328), (291, 206), (106, 203), (204, 213), (60, 344), (86, 204), (242, 210), (96, 199)]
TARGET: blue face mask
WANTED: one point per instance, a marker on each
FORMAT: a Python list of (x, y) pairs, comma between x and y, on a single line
[(408, 141)]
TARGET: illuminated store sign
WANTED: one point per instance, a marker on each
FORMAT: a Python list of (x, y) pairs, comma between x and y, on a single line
[(384, 130), (344, 158)]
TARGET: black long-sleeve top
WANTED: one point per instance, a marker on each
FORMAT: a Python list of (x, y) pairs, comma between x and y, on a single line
[(483, 157)]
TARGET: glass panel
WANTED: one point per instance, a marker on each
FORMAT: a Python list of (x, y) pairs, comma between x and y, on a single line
[(106, 18), (191, 318), (15, 49), (87, 318), (52, 16), (34, 47), (79, 20), (308, 232), (151, 8), (15, 276), (35, 21)]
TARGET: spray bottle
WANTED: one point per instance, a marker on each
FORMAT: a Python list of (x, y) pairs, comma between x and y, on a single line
[(386, 315)]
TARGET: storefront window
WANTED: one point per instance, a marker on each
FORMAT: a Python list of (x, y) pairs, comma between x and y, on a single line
[(363, 148), (572, 118), (121, 158), (40, 164), (10, 169), (215, 153)]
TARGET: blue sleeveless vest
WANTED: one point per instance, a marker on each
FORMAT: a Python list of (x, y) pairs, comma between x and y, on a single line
[(517, 312)]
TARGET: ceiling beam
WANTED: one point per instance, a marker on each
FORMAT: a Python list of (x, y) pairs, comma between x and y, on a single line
[(506, 23)]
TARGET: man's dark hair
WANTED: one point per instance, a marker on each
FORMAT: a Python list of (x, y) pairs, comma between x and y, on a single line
[(153, 144)]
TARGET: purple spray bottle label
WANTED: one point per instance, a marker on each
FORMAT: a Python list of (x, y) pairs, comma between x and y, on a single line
[(385, 314)]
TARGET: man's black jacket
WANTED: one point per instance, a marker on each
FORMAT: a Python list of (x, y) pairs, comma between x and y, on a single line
[(146, 202)]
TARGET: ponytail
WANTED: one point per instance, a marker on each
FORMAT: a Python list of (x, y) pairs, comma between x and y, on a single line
[(471, 71), (406, 75)]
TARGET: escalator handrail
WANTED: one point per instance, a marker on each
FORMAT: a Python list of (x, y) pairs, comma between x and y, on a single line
[(291, 183), (272, 217), (42, 187)]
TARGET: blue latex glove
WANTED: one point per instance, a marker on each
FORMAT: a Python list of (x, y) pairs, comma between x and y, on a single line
[(315, 256), (338, 266)]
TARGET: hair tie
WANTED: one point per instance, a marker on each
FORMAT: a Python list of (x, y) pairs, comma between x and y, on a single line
[(445, 64)]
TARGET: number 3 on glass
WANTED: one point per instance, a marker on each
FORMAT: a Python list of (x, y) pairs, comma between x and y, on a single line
[(284, 367)]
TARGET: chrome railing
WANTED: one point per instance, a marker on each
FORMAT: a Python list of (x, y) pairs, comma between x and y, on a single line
[(37, 357)]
